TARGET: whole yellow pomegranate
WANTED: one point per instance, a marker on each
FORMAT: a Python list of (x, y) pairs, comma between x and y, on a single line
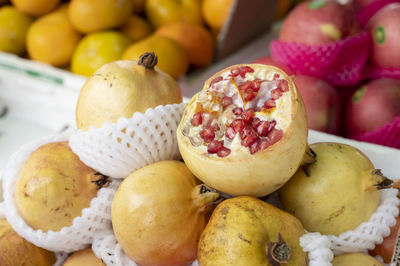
[(337, 192), (159, 212), (121, 88), (84, 257), (15, 250), (54, 186), (245, 132)]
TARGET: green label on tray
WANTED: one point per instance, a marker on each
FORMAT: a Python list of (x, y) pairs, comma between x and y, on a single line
[(380, 35), (33, 73), (359, 94), (316, 4)]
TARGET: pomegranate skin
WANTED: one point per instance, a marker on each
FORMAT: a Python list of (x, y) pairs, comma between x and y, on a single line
[(242, 172), (322, 103), (385, 30), (373, 105), (316, 24)]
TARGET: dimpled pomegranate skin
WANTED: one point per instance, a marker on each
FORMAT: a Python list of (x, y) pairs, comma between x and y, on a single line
[(241, 172)]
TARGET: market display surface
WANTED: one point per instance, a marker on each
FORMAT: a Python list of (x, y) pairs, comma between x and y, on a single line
[(234, 175)]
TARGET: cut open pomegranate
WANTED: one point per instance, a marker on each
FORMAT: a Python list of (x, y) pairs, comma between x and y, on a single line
[(243, 113)]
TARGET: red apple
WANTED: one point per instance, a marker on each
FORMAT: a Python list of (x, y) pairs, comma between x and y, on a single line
[(267, 60), (318, 22), (322, 103), (384, 26), (373, 105)]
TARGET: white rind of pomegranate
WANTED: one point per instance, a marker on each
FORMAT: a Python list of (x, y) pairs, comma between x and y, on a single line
[(245, 132)]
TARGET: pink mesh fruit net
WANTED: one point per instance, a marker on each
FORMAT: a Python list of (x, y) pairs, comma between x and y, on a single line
[(376, 73), (388, 135), (364, 15), (340, 63)]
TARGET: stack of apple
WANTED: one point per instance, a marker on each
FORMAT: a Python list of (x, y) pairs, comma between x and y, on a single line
[(82, 35), (367, 109)]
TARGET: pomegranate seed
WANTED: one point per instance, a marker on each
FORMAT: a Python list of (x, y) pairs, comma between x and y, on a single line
[(263, 128), (245, 132), (235, 72), (255, 122), (245, 85), (283, 85), (207, 134), (255, 147), (272, 124), (248, 95), (216, 80), (264, 143), (253, 86), (270, 103), (275, 94), (214, 146), (207, 118), (276, 76), (226, 101), (249, 139), (238, 125), (197, 119), (237, 111), (248, 115), (245, 69), (275, 135), (223, 152), (230, 133)]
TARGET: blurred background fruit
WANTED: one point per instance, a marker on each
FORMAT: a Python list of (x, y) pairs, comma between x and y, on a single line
[(93, 15), (195, 39), (172, 58), (282, 8), (373, 105), (96, 49), (161, 12), (35, 7), (136, 28), (385, 30), (52, 39), (13, 29), (215, 12), (138, 6), (318, 22)]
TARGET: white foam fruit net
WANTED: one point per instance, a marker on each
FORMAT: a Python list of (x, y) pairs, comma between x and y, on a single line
[(120, 148), (106, 247), (80, 234), (318, 248), (372, 232)]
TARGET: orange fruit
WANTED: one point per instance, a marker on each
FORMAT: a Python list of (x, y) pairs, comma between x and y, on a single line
[(52, 39), (172, 57), (195, 39), (35, 7), (215, 12), (136, 28)]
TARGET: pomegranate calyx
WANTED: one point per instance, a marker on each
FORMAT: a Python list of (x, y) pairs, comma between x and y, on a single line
[(278, 252), (101, 180), (204, 197), (148, 60)]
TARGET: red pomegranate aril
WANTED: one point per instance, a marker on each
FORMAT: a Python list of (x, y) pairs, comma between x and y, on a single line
[(275, 94), (249, 139), (263, 144), (263, 128), (230, 133), (216, 80), (238, 125), (255, 123), (272, 124), (235, 72), (244, 70), (214, 146), (248, 95), (283, 85), (237, 111), (223, 152), (255, 147), (226, 101), (248, 115), (197, 119), (270, 103), (276, 76), (207, 134), (275, 135), (245, 132)]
